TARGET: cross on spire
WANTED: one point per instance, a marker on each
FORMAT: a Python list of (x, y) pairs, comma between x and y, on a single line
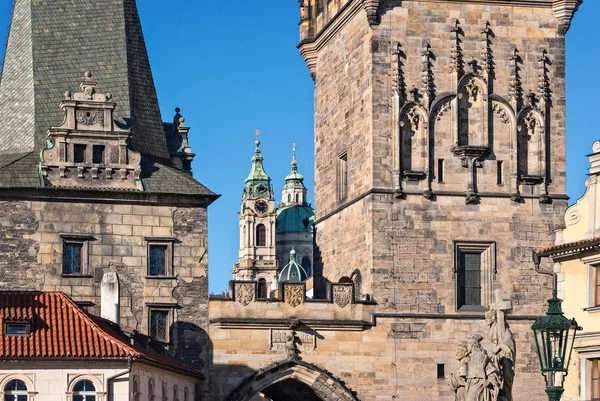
[(257, 133), (500, 304)]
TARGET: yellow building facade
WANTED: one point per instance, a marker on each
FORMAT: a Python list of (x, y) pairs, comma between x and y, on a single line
[(577, 263)]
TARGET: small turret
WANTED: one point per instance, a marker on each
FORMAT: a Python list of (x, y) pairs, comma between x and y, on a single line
[(294, 191), (178, 142), (258, 183)]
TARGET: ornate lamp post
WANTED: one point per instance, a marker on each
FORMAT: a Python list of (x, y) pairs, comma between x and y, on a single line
[(554, 338)]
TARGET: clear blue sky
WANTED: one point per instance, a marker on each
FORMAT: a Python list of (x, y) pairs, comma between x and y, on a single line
[(234, 69)]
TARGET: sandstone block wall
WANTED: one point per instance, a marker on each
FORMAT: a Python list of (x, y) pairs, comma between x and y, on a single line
[(31, 250)]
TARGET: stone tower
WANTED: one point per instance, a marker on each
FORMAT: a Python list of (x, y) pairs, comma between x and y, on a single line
[(257, 256), (95, 187), (440, 156)]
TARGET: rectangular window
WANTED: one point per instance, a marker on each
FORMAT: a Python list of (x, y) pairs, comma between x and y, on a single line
[(73, 257), (475, 272), (499, 173), (79, 153), (342, 171), (596, 285), (157, 265), (16, 329), (98, 154), (159, 325), (441, 371), (440, 171), (595, 379), (469, 279)]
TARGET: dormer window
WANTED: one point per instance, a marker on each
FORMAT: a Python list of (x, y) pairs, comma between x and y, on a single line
[(16, 329), (79, 153), (98, 154)]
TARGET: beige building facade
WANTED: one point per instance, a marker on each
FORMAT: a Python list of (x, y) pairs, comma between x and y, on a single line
[(577, 264)]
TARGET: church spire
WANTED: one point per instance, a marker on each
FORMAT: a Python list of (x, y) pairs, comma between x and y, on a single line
[(294, 191), (258, 183)]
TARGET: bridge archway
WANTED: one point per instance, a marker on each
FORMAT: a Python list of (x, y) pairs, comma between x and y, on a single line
[(282, 381)]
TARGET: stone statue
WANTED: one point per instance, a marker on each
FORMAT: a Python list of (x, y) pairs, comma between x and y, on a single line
[(487, 375), (291, 347), (503, 349), (457, 382), (483, 380)]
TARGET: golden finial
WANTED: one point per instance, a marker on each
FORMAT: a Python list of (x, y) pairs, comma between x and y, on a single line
[(257, 133), (294, 162)]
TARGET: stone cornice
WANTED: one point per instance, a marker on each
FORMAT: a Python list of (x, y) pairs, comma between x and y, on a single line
[(309, 47)]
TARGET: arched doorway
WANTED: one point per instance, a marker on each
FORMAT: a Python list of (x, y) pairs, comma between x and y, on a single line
[(292, 380)]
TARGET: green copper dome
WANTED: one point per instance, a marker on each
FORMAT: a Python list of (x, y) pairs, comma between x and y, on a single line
[(258, 183), (295, 219), (293, 272)]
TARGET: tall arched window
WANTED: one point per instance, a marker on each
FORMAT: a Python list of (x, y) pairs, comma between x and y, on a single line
[(136, 389), (297, 198), (307, 266), (84, 390), (186, 395), (261, 289), (289, 198), (164, 391), (151, 390), (16, 390), (261, 235), (175, 393)]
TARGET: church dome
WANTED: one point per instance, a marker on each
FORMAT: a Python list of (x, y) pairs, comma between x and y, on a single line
[(293, 219), (293, 272)]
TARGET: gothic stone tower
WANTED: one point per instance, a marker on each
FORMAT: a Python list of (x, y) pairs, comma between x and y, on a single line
[(91, 191), (440, 160)]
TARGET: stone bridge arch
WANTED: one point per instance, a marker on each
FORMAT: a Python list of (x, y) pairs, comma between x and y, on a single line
[(321, 382)]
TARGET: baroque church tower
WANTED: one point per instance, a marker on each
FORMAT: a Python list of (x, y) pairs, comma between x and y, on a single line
[(257, 256)]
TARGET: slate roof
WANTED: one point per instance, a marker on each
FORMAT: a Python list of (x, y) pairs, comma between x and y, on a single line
[(51, 44), (59, 328)]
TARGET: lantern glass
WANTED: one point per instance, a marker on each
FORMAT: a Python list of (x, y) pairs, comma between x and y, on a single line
[(557, 344), (540, 340)]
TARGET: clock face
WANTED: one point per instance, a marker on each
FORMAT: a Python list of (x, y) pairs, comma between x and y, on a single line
[(261, 206)]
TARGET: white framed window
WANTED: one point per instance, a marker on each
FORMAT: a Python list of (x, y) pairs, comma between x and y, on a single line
[(589, 373), (85, 388), (474, 271), (593, 285), (16, 390)]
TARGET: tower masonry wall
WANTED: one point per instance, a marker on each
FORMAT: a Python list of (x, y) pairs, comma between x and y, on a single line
[(378, 357), (32, 234)]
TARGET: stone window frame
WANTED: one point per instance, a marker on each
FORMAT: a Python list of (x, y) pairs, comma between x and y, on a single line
[(96, 380), (169, 308), (84, 240), (342, 176), (592, 267), (169, 257), (487, 249), (26, 378), (586, 355)]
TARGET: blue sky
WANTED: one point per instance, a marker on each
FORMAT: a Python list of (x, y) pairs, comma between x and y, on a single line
[(236, 69)]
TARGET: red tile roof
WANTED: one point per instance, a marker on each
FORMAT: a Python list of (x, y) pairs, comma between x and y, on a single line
[(570, 247), (61, 329)]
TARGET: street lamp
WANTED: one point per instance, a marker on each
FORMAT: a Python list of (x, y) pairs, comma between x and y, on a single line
[(554, 338)]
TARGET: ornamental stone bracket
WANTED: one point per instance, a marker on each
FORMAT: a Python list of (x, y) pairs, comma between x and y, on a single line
[(564, 11), (471, 155), (89, 150)]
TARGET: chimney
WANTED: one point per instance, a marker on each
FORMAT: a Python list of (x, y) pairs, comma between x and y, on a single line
[(109, 297)]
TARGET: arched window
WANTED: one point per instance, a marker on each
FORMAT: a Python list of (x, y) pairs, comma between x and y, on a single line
[(357, 280), (151, 390), (164, 391), (345, 279), (261, 289), (84, 390), (297, 198), (289, 198), (136, 389), (16, 390), (261, 235), (307, 266), (186, 396)]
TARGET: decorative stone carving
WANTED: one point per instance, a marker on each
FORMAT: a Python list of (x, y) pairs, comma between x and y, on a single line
[(399, 83), (516, 91), (501, 112), (372, 9), (572, 217), (306, 340), (244, 293), (516, 197), (426, 75), (487, 54), (472, 90), (293, 294), (487, 375), (443, 109), (472, 198), (456, 60), (89, 147), (428, 194), (544, 81), (564, 11), (342, 295), (414, 118)]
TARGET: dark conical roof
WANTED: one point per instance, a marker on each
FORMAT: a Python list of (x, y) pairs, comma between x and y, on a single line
[(50, 46)]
